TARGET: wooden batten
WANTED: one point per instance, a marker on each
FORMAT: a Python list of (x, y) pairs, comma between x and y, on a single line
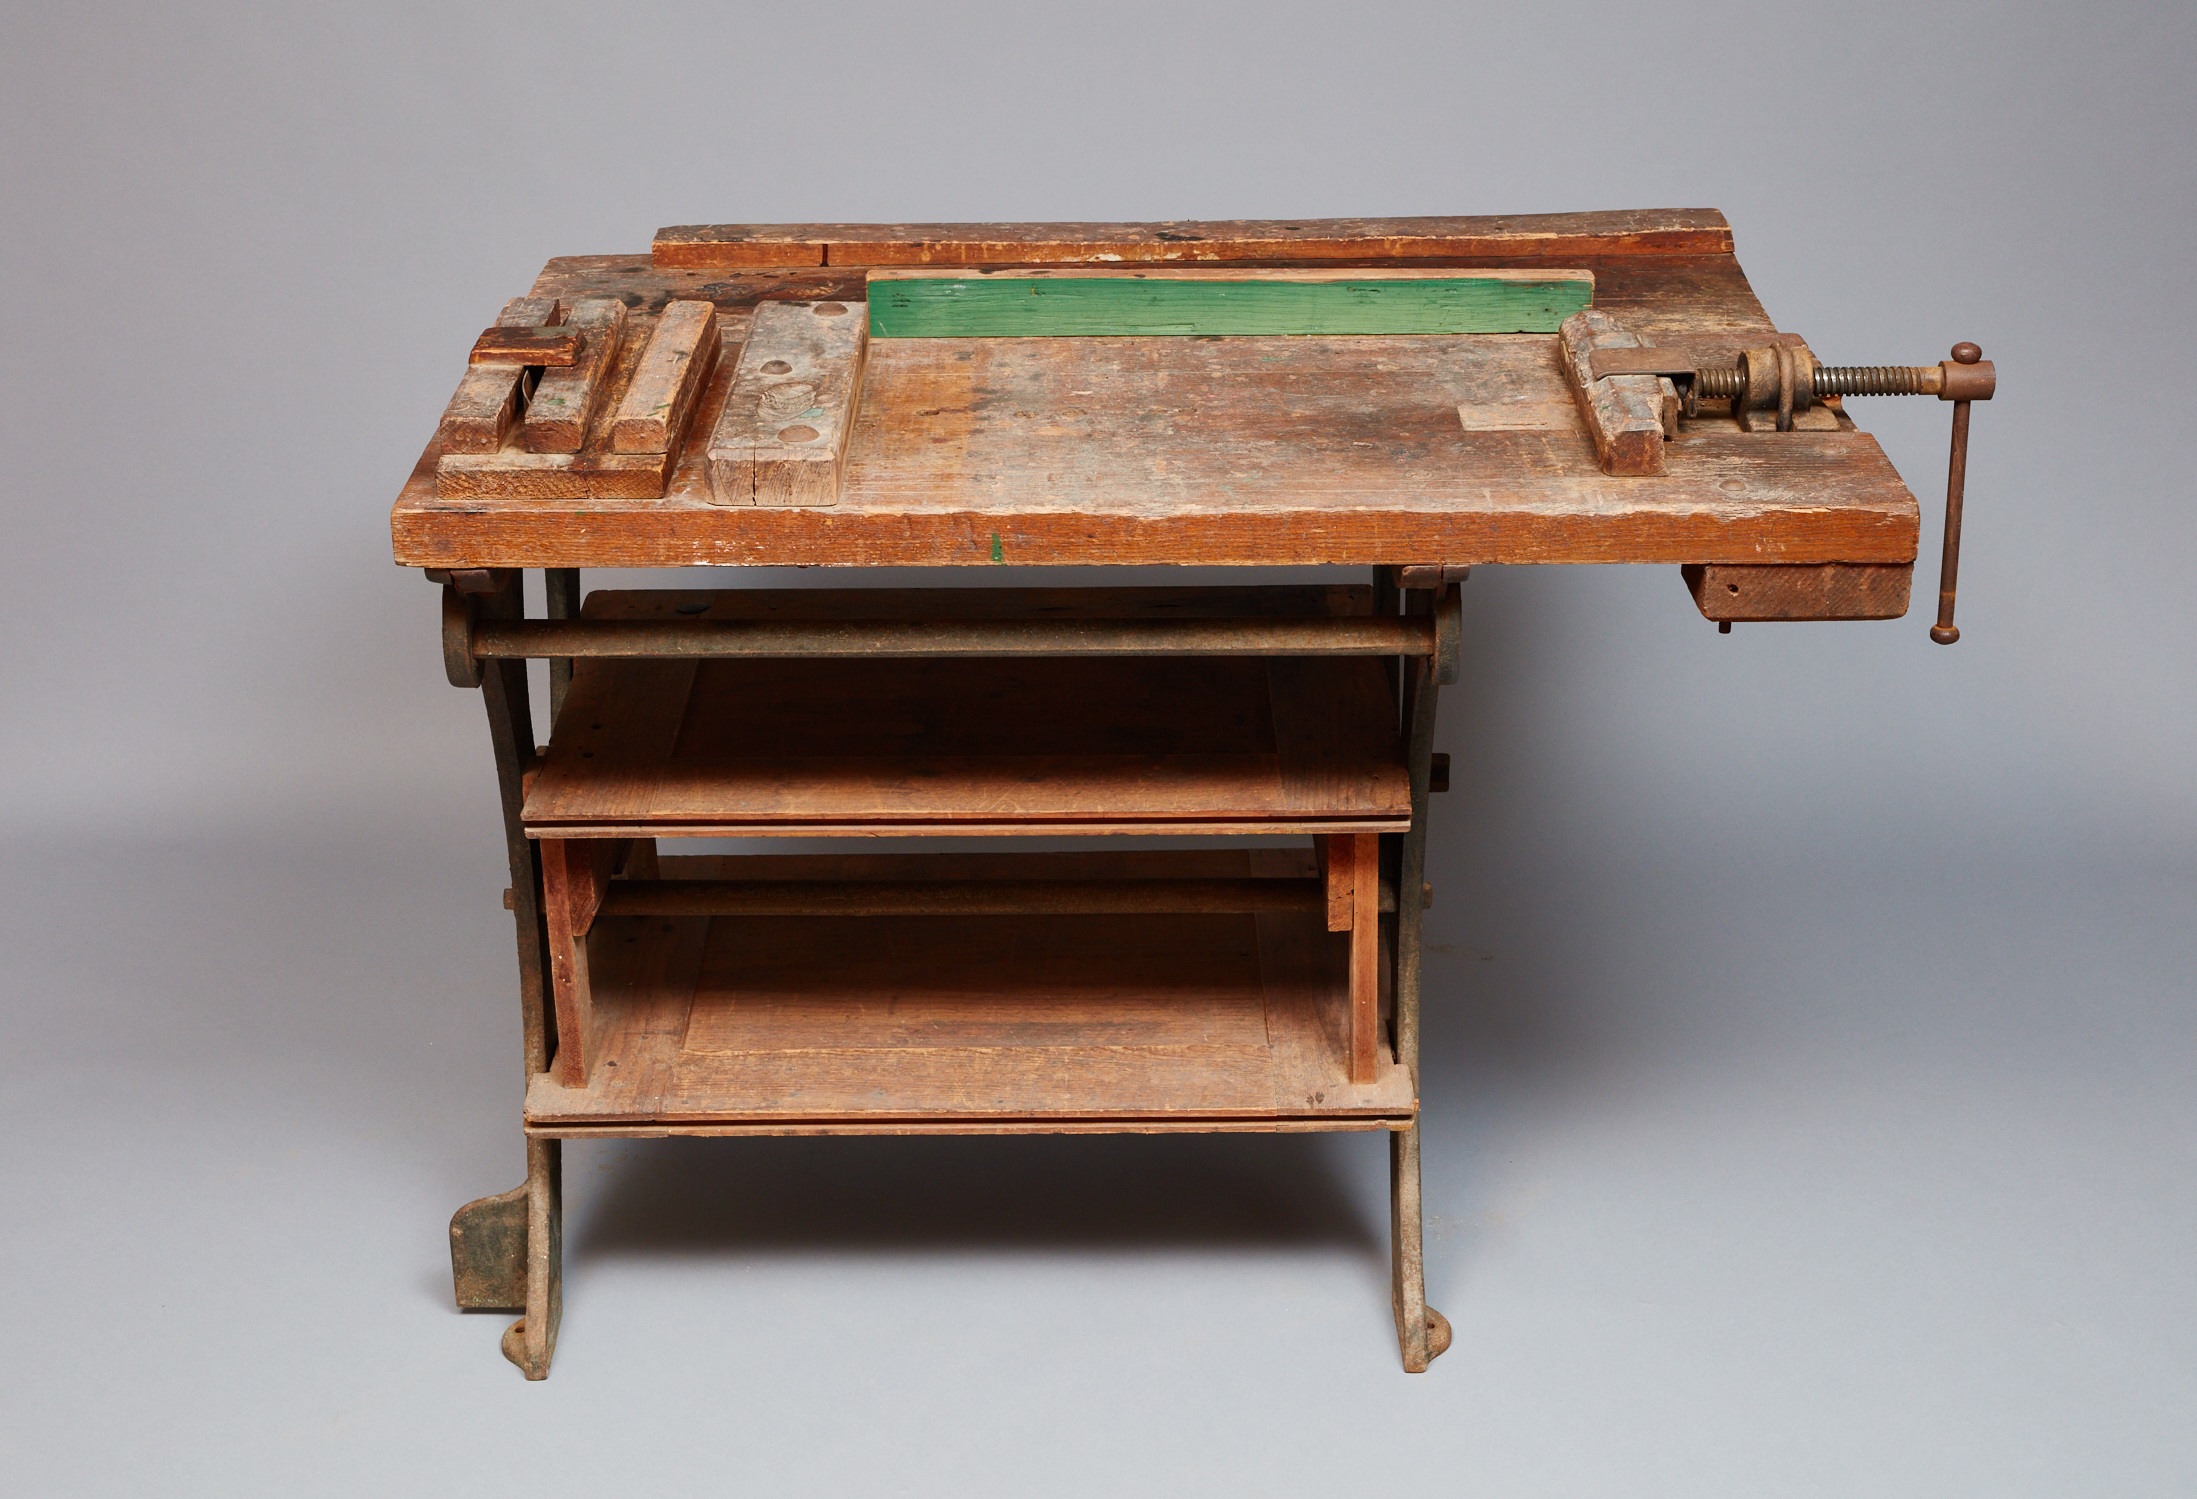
[(1668, 231), (781, 438), (1365, 954), (1629, 416), (653, 413), (565, 401), (480, 415), (1174, 301)]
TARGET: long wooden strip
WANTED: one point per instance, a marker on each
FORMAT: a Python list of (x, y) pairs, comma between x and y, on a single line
[(682, 351), (1627, 415), (1205, 302), (782, 436), (1667, 231), (1013, 897), (566, 399), (480, 414), (1365, 954)]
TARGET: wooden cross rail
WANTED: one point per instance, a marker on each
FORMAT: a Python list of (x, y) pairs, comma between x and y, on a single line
[(1398, 635), (966, 897)]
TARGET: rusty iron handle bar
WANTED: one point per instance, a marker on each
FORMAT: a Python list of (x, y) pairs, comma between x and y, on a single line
[(1333, 635), (1956, 486)]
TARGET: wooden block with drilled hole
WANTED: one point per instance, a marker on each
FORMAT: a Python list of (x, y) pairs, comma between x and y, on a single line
[(1830, 590), (653, 413), (782, 436), (565, 401), (479, 417), (1628, 416)]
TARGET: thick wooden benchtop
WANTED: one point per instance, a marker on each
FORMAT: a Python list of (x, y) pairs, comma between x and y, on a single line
[(1255, 451)]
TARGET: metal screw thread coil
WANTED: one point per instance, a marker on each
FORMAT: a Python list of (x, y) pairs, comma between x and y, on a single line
[(1831, 380), (1873, 380)]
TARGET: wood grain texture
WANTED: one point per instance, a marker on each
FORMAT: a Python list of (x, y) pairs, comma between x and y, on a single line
[(781, 436), (1831, 590), (917, 744), (526, 348), (1020, 742), (575, 876), (821, 1023), (565, 401), (680, 356), (481, 413), (1628, 416), (1365, 955), (1419, 489), (1173, 302), (1681, 231)]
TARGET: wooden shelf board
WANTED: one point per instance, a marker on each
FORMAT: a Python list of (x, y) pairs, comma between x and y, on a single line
[(905, 1024), (732, 747)]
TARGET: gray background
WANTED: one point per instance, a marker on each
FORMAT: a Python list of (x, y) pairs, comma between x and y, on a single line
[(1811, 1064)]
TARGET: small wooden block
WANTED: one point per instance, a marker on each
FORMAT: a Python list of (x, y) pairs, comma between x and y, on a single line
[(653, 414), (1627, 415), (1168, 301), (1830, 590), (516, 475), (782, 436), (486, 405), (550, 347), (565, 401)]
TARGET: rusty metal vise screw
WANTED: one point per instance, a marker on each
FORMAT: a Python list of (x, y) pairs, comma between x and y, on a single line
[(1786, 379)]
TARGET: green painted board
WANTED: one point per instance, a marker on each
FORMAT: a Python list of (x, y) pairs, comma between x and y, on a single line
[(1135, 306)]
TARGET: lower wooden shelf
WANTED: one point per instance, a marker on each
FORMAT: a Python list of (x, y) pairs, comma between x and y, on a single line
[(1035, 1023)]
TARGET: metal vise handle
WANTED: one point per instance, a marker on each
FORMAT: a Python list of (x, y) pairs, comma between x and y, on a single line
[(1966, 379)]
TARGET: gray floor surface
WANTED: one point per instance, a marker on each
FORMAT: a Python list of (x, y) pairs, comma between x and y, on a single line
[(1869, 1177)]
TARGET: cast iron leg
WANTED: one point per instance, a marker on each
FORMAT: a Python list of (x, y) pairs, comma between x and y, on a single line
[(507, 1250), (1422, 1332)]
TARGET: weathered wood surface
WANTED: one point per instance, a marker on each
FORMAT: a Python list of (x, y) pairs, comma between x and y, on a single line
[(1365, 954), (781, 436), (683, 747), (481, 413), (820, 1024), (729, 747), (1627, 416), (1831, 590), (1169, 301), (565, 401), (681, 354), (575, 876), (1405, 481), (526, 348), (1679, 231)]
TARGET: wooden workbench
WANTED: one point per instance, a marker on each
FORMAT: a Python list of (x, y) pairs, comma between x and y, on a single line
[(1227, 988)]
